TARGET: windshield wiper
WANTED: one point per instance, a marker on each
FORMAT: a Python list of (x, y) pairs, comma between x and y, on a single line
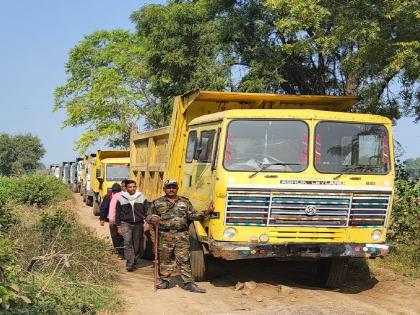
[(264, 166), (363, 168)]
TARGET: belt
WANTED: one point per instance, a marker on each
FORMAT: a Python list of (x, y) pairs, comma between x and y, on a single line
[(172, 230)]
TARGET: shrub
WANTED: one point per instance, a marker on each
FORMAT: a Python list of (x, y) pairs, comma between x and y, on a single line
[(38, 190), (405, 219), (49, 263)]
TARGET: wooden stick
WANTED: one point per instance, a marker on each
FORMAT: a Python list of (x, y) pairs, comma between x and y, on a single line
[(156, 261)]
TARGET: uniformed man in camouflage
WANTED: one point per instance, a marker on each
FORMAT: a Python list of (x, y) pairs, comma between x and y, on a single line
[(173, 213)]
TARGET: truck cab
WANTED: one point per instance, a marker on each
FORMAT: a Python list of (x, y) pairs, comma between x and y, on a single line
[(66, 172), (109, 167)]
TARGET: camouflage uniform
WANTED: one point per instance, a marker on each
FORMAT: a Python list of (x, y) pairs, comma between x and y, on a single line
[(173, 234)]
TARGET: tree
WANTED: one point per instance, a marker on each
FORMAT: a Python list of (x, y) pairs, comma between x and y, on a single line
[(19, 154), (365, 48), (182, 52), (412, 167), (105, 91)]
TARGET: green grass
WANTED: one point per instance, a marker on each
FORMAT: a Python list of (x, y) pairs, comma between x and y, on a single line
[(403, 260)]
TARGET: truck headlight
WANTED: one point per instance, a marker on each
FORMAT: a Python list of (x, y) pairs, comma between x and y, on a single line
[(264, 238), (376, 235), (229, 233)]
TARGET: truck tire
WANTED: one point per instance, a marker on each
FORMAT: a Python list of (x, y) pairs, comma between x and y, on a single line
[(332, 272), (197, 258), (96, 210), (84, 196)]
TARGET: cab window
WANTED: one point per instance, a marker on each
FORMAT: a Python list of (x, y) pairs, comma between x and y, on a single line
[(191, 146), (205, 146)]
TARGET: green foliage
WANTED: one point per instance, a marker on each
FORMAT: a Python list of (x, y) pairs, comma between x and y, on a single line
[(105, 90), (39, 190), (405, 221), (366, 48), (7, 219), (19, 154), (182, 53), (412, 167), (49, 263), (10, 291)]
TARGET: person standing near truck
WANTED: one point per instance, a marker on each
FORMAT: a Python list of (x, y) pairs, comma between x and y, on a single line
[(107, 213), (173, 213), (131, 210), (117, 239)]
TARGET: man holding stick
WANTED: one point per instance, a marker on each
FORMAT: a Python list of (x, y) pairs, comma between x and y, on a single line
[(172, 214)]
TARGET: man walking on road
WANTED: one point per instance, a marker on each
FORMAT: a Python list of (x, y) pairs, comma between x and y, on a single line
[(173, 213), (107, 213), (131, 211), (117, 239)]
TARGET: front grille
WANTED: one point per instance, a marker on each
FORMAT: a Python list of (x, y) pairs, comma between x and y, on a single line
[(306, 208), (369, 209)]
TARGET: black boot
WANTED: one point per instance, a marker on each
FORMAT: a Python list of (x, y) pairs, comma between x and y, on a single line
[(191, 286), (162, 284)]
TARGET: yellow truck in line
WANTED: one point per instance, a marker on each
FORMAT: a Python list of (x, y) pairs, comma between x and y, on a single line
[(291, 177), (101, 170)]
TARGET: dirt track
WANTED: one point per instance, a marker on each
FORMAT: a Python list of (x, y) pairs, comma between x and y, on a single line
[(282, 288)]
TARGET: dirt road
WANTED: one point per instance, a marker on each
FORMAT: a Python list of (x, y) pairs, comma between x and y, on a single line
[(281, 288)]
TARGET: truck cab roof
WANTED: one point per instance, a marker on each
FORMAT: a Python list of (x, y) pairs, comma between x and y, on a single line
[(289, 114)]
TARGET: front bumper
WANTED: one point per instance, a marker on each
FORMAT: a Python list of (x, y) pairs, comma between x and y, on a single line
[(292, 251)]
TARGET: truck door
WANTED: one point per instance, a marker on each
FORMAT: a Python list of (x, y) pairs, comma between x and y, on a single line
[(202, 172), (187, 177), (198, 179)]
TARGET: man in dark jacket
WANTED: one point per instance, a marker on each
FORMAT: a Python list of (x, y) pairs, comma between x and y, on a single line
[(105, 216), (131, 211)]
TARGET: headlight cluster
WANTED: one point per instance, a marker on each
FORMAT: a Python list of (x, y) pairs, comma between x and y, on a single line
[(376, 235), (229, 233)]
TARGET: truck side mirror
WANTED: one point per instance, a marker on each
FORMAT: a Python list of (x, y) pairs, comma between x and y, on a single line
[(98, 173)]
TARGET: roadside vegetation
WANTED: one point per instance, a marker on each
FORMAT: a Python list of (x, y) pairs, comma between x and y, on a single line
[(49, 263)]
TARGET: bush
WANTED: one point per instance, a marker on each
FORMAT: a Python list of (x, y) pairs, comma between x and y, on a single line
[(38, 190), (49, 263), (405, 219)]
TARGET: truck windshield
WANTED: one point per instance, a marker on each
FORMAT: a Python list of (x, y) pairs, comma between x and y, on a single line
[(351, 148), (117, 172), (268, 145)]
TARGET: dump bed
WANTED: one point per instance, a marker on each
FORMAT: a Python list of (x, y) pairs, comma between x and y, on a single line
[(158, 154)]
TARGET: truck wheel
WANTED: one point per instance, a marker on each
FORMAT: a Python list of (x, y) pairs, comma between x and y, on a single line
[(197, 259), (332, 272), (147, 250), (84, 196), (96, 210), (89, 201)]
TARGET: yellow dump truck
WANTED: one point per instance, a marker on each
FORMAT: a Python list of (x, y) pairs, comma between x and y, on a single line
[(102, 170), (291, 177)]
